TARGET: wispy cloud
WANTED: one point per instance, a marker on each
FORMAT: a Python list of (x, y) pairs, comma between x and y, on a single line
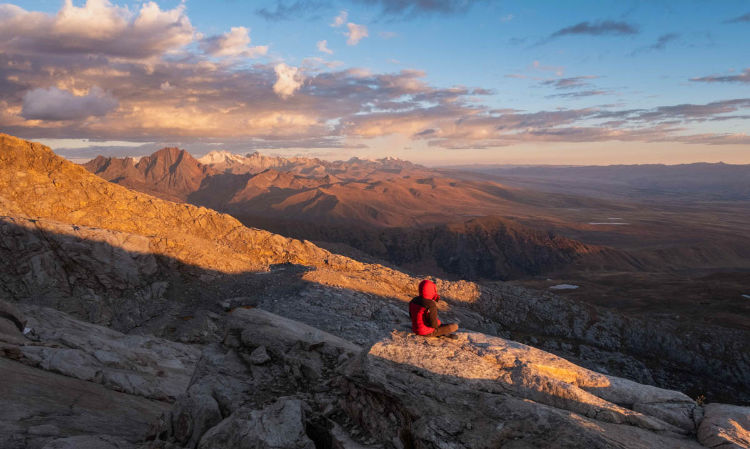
[(598, 28), (743, 77), (569, 83), (340, 19), (578, 94), (409, 9), (660, 44), (295, 10), (739, 19)]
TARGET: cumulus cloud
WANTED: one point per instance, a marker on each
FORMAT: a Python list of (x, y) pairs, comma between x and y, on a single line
[(323, 47), (356, 33), (743, 77), (340, 19), (288, 80), (54, 104), (97, 27), (233, 43)]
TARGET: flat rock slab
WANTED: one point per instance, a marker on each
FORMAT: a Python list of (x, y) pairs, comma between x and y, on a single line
[(146, 366), (38, 408)]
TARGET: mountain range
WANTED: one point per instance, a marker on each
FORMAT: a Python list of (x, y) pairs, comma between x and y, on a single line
[(389, 209)]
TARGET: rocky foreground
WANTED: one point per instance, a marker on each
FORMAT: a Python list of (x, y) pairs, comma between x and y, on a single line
[(272, 382), (130, 321)]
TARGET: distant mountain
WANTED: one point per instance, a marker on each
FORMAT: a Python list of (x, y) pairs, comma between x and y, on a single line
[(392, 210), (170, 173)]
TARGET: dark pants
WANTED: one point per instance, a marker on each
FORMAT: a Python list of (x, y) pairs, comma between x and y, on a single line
[(444, 329)]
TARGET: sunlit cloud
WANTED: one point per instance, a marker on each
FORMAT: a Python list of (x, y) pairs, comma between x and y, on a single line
[(72, 78), (98, 27), (340, 19), (356, 33), (288, 80), (235, 42), (323, 47), (743, 77)]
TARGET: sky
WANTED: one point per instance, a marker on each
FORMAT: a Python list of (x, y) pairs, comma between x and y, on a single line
[(436, 82)]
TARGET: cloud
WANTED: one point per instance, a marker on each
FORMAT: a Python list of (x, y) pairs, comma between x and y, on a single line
[(234, 43), (739, 19), (660, 43), (340, 19), (506, 18), (356, 33), (194, 98), (569, 83), (291, 11), (599, 28), (54, 104), (578, 94), (411, 9), (537, 66), (323, 47), (98, 27), (743, 77), (288, 80)]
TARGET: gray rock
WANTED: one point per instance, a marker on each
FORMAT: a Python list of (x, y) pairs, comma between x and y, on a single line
[(259, 356), (725, 427), (38, 407), (145, 366), (276, 426), (89, 442)]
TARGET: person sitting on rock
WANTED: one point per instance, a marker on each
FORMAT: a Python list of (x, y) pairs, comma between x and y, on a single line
[(424, 312)]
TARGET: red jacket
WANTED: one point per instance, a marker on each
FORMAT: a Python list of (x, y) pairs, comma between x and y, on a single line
[(423, 309)]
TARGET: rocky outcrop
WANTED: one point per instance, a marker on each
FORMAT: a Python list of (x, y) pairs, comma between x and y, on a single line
[(44, 410), (725, 427), (71, 384), (274, 382), (139, 365)]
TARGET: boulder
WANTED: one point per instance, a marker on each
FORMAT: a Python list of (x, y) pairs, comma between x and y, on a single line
[(278, 425), (725, 427)]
